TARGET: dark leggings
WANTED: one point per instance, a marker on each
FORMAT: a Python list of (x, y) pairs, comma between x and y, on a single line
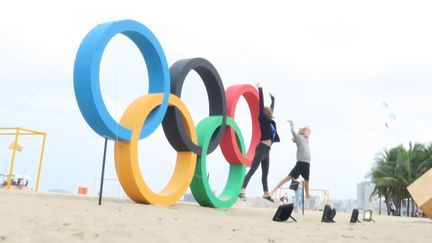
[(262, 156)]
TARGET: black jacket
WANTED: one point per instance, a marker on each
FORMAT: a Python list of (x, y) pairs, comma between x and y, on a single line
[(265, 123)]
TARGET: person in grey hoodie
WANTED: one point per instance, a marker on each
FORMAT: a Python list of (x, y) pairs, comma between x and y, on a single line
[(302, 167)]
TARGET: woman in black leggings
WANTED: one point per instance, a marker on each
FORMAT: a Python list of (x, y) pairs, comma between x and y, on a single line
[(262, 152)]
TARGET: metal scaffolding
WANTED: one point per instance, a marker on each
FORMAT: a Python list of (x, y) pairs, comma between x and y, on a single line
[(17, 132)]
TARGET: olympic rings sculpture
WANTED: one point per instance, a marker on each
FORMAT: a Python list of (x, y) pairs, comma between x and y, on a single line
[(163, 106)]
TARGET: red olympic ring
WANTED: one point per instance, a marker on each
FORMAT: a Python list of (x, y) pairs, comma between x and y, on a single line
[(229, 146)]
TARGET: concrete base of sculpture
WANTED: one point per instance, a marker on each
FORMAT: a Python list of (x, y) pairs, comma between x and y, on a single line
[(421, 191)]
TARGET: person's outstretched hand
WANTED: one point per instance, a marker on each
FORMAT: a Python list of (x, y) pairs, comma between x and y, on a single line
[(291, 123)]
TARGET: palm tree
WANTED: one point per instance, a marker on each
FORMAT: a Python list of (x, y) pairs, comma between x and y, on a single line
[(395, 169), (394, 172), (417, 156), (426, 161), (385, 175)]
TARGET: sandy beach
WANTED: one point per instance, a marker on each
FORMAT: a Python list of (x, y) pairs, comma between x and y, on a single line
[(47, 217)]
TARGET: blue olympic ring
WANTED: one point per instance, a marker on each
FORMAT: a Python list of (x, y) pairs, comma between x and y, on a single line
[(86, 77)]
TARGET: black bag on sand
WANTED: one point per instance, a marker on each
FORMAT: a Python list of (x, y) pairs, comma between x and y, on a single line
[(328, 214), (284, 212), (354, 216)]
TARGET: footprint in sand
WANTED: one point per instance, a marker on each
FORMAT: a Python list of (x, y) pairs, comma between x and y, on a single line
[(347, 236), (79, 234)]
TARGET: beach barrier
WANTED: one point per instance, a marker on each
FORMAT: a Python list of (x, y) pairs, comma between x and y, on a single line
[(163, 106), (82, 190), (421, 191)]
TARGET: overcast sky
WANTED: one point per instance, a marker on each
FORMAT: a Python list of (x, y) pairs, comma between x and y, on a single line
[(330, 64)]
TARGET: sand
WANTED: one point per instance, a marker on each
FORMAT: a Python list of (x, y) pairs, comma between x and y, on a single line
[(47, 217)]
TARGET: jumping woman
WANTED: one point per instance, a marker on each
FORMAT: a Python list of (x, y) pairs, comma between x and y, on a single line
[(302, 167), (262, 152)]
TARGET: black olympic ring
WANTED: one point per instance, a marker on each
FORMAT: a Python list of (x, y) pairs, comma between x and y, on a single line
[(173, 125)]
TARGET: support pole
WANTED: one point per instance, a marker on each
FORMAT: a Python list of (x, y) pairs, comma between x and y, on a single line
[(103, 172), (40, 162), (303, 189), (13, 159), (379, 212)]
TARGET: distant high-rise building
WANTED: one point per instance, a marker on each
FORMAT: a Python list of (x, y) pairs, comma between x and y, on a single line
[(347, 205)]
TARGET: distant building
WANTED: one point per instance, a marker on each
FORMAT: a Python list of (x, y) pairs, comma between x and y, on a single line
[(364, 191), (347, 205)]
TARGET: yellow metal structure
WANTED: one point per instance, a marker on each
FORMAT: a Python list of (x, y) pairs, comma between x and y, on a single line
[(17, 132), (326, 194)]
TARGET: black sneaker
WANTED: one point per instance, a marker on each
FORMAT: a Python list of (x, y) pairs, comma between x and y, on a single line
[(242, 196), (269, 198)]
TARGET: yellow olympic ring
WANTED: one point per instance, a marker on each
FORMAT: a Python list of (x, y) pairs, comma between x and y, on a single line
[(126, 154)]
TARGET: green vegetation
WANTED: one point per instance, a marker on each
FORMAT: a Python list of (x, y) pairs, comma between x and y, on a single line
[(395, 169)]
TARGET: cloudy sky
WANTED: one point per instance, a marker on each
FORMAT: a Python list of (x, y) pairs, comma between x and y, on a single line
[(330, 64)]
